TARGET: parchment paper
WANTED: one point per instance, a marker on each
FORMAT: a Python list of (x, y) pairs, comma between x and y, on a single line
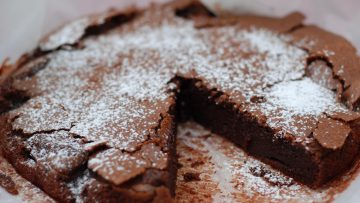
[(22, 23)]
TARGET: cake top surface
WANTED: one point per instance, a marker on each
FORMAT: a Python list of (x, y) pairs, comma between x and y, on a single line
[(113, 88)]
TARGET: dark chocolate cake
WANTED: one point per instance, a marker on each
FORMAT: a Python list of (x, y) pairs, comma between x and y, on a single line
[(91, 114)]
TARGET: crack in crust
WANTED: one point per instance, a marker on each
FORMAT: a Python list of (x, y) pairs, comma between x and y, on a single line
[(148, 181)]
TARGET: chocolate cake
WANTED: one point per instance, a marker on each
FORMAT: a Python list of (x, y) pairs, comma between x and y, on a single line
[(91, 114)]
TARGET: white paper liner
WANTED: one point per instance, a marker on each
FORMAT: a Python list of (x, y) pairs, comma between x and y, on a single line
[(22, 23)]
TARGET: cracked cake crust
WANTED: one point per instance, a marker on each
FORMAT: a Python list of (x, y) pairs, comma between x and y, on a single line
[(91, 114)]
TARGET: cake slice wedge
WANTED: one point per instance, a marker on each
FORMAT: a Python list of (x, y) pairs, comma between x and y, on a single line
[(91, 114)]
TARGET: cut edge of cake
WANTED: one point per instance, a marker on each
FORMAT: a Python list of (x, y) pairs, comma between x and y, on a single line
[(209, 100)]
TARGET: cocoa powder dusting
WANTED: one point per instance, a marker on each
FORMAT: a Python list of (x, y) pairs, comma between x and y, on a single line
[(8, 184)]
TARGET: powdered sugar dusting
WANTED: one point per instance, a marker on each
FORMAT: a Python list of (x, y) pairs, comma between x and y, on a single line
[(78, 185), (27, 191), (68, 34), (305, 98), (236, 177), (58, 151), (252, 184), (222, 174), (115, 88), (117, 167)]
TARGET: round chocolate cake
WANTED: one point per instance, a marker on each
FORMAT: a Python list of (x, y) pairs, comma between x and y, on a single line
[(91, 114)]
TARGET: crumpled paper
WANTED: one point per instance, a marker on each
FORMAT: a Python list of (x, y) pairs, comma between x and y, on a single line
[(341, 17), (22, 23)]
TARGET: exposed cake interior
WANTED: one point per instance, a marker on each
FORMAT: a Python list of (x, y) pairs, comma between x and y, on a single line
[(95, 112)]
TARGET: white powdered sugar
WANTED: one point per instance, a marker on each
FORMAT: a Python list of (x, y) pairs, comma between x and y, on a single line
[(96, 90), (293, 105), (115, 87), (78, 185), (57, 151), (303, 97), (27, 191), (237, 176), (68, 34), (99, 91)]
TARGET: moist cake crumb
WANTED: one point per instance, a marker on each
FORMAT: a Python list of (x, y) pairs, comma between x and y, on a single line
[(191, 176), (123, 88), (244, 178)]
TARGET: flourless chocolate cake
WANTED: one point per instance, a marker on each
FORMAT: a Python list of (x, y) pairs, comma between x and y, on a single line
[(90, 115)]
